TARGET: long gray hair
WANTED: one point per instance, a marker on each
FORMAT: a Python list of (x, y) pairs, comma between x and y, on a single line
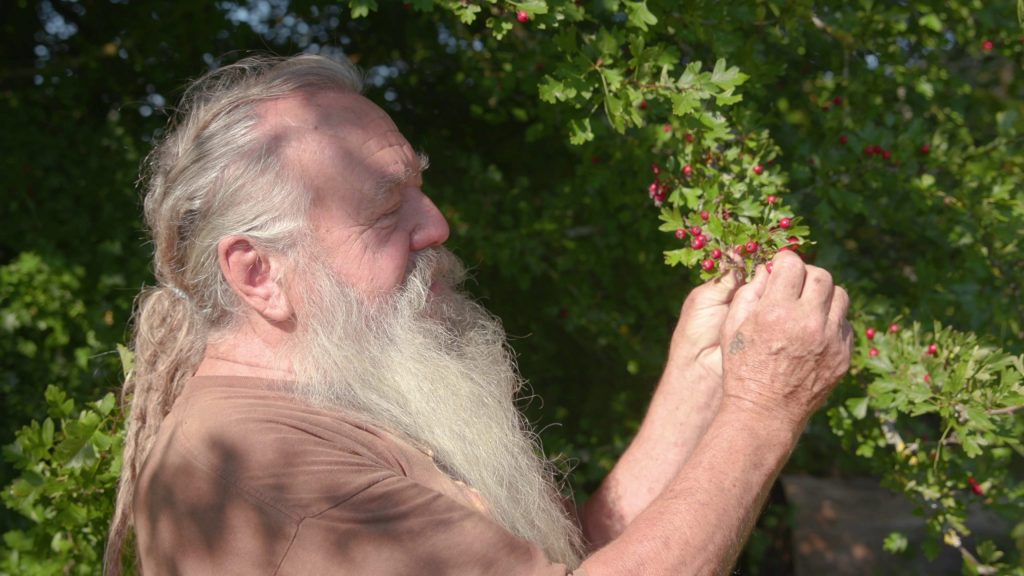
[(214, 174)]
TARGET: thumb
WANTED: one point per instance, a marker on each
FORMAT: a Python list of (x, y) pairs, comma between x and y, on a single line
[(745, 302), (721, 290)]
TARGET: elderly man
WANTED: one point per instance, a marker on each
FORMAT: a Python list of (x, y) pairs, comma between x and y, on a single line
[(313, 395)]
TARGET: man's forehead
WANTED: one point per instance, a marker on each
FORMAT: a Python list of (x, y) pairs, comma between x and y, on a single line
[(344, 131)]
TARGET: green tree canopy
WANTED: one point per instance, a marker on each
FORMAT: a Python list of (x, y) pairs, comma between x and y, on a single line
[(889, 132)]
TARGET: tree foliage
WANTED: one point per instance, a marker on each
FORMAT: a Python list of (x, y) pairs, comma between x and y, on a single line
[(889, 134)]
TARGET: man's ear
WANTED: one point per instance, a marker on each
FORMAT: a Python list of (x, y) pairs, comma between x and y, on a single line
[(251, 273)]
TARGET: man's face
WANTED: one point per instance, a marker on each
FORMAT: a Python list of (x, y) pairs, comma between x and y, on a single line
[(369, 214)]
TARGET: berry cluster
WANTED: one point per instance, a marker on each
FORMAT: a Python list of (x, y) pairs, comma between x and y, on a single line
[(722, 201), (877, 150)]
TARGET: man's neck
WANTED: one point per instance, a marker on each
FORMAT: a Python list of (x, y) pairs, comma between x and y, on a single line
[(253, 350)]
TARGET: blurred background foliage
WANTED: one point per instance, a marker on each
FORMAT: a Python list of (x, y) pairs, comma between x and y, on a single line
[(562, 239)]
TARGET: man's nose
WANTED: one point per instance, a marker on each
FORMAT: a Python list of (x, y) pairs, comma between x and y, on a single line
[(431, 228)]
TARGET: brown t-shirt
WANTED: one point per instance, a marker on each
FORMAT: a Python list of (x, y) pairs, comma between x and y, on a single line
[(246, 479)]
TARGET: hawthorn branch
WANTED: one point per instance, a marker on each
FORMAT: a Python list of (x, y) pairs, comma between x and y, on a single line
[(844, 38), (1006, 410)]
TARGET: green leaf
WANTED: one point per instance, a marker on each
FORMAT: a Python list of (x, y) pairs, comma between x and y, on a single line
[(895, 543), (47, 433), (638, 15), (672, 219), (931, 21), (685, 256), (362, 8), (106, 404), (552, 91), (127, 360), (970, 446), (78, 433), (683, 103), (726, 78), (858, 407), (579, 131)]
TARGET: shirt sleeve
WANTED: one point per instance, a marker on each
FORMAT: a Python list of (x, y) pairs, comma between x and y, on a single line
[(400, 527)]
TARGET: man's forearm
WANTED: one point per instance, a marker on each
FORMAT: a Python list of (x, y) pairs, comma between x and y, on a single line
[(702, 518), (681, 410)]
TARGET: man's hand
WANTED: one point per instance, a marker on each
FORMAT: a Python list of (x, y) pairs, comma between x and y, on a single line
[(786, 343), (696, 342), (787, 340), (683, 406)]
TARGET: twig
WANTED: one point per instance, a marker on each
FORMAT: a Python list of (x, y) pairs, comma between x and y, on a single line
[(1006, 410)]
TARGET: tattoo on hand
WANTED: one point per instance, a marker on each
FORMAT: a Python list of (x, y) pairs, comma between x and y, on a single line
[(738, 344)]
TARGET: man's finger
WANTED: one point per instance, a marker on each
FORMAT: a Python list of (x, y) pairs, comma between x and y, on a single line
[(818, 290), (787, 278), (838, 308), (723, 289), (746, 299)]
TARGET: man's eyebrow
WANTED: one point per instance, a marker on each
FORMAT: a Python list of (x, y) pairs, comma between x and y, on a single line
[(387, 183)]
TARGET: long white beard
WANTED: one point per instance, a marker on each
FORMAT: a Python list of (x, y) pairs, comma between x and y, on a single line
[(435, 368)]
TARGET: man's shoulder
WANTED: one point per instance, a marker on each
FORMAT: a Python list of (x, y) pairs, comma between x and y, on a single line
[(258, 438)]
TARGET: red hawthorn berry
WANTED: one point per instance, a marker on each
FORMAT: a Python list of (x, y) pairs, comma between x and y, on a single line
[(725, 214), (771, 199), (705, 238), (687, 170), (758, 169), (932, 349), (768, 267), (925, 149), (975, 486), (666, 128), (869, 150), (838, 100), (876, 149), (689, 137), (870, 333), (751, 246), (697, 242), (927, 378), (738, 249), (987, 45), (886, 154), (655, 169), (695, 230), (716, 253), (681, 233), (704, 215), (873, 352), (843, 139), (659, 198), (653, 188), (643, 104), (785, 223), (894, 328), (522, 16), (708, 264)]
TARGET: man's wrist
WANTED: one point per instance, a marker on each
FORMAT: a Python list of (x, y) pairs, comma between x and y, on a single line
[(774, 425)]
